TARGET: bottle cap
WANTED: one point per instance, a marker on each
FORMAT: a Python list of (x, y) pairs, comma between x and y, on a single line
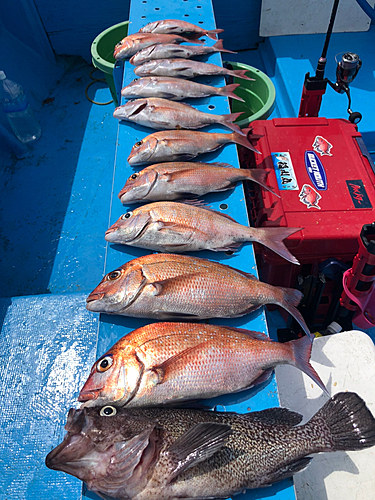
[(2, 75)]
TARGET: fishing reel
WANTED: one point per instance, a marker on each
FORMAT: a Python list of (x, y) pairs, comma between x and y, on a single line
[(346, 70)]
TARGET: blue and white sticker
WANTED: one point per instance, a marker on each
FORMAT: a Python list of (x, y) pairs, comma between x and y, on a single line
[(286, 178), (316, 171)]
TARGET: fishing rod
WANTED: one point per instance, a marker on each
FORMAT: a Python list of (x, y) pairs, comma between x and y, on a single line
[(314, 87)]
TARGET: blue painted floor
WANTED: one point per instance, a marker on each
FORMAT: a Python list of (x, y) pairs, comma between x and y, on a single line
[(52, 247)]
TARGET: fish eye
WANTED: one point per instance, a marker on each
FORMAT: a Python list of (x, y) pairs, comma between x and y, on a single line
[(114, 275), (127, 215), (134, 176), (108, 411), (104, 364), (135, 79), (137, 144)]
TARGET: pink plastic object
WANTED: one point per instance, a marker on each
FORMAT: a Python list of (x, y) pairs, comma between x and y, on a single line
[(365, 317), (359, 281)]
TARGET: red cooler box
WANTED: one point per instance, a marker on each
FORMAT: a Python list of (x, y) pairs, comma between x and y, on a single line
[(325, 178)]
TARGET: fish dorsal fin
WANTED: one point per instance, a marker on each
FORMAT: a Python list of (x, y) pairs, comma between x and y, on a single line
[(274, 416), (197, 444), (201, 204), (250, 333)]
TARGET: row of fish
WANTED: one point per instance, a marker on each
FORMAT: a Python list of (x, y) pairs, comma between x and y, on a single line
[(122, 443)]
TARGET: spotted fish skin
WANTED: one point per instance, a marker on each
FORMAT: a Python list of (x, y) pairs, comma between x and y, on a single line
[(171, 454)]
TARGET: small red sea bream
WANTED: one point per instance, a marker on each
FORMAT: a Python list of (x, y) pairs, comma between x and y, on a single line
[(182, 145), (169, 226), (186, 68), (162, 114), (177, 26), (170, 287), (175, 89), (172, 362), (161, 453), (174, 180), (131, 44), (172, 51)]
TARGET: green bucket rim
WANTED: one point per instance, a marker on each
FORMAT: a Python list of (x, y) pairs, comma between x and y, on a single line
[(269, 105), (103, 64)]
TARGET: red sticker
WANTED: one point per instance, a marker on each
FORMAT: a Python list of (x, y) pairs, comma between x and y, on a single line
[(309, 197), (322, 146)]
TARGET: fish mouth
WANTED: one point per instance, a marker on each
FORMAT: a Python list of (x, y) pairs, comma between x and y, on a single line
[(88, 395), (94, 296)]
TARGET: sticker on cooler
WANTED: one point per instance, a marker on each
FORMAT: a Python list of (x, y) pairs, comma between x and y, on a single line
[(309, 197), (322, 146), (316, 171), (358, 194), (286, 178)]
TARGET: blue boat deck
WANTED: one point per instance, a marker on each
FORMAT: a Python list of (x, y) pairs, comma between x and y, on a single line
[(55, 208)]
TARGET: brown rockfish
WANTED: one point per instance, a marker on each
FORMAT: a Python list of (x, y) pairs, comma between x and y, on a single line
[(173, 454), (172, 180), (131, 44), (180, 287), (178, 26), (181, 145), (168, 362), (175, 89), (172, 51), (186, 68), (163, 114), (169, 226)]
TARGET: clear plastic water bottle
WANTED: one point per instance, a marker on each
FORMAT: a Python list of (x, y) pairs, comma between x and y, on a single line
[(17, 109)]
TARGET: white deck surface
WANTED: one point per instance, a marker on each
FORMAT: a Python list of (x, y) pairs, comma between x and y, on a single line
[(345, 362)]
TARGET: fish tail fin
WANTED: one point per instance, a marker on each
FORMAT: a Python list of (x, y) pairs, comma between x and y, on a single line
[(243, 140), (272, 237), (218, 46), (240, 73), (213, 33), (227, 91), (228, 120), (194, 38), (259, 176), (289, 301), (351, 425), (302, 352)]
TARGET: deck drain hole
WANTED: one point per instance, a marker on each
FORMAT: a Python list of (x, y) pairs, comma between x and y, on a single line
[(211, 106), (200, 22), (223, 206)]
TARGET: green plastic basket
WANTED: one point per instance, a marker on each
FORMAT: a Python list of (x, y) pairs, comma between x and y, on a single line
[(102, 52), (259, 95)]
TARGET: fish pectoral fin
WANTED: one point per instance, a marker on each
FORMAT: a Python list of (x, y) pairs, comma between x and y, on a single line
[(166, 286), (128, 455), (196, 445), (167, 369), (273, 416)]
